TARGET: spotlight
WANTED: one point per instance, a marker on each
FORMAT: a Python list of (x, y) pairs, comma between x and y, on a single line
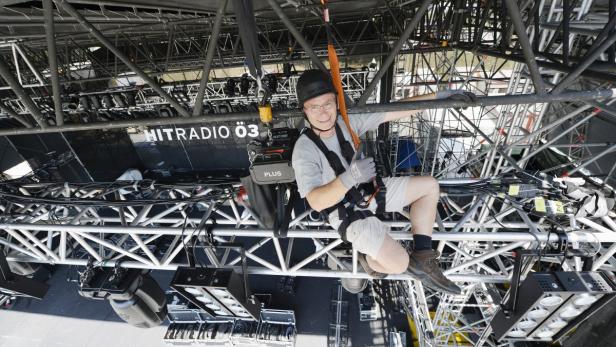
[(550, 304), (95, 102), (106, 100), (133, 294), (84, 102), (44, 106), (119, 100), (230, 87), (131, 98), (244, 85), (221, 293), (272, 83), (287, 70), (181, 96)]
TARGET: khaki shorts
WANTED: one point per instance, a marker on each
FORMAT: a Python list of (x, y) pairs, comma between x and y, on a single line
[(367, 235)]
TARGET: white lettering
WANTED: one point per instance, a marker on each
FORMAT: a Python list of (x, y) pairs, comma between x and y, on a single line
[(168, 132), (223, 132), (209, 133), (272, 174), (150, 135), (180, 133), (226, 131), (240, 131), (193, 133), (254, 130)]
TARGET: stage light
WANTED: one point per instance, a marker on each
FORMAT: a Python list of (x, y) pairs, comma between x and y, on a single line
[(551, 304), (221, 293), (131, 98), (181, 96), (551, 300), (84, 102), (229, 87), (527, 324), (133, 294), (244, 84), (107, 103), (272, 83), (12, 284), (119, 101), (95, 103)]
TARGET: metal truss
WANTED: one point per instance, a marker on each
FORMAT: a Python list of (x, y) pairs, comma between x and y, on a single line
[(152, 226), (541, 49), (114, 103)]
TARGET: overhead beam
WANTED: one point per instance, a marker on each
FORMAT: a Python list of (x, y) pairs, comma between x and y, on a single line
[(394, 51), (111, 47), (373, 108), (593, 53), (15, 115), (527, 50), (7, 75), (296, 34), (53, 60), (209, 57)]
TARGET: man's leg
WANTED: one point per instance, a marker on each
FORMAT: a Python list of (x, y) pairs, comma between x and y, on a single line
[(422, 194), (383, 254), (392, 258)]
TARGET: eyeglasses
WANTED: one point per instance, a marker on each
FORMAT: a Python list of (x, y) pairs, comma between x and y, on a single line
[(328, 106)]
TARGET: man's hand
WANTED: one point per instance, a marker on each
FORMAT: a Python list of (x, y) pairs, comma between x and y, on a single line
[(360, 171)]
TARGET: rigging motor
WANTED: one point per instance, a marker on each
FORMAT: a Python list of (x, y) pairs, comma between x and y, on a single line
[(270, 160)]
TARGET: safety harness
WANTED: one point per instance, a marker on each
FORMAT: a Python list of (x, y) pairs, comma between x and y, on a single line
[(356, 195)]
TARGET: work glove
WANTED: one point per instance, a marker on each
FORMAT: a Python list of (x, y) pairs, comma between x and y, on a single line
[(360, 171), (457, 95)]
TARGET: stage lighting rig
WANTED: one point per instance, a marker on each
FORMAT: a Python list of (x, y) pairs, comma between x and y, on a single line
[(219, 292), (17, 285), (133, 294), (547, 305)]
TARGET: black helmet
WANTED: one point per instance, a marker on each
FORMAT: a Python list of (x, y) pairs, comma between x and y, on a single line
[(313, 83)]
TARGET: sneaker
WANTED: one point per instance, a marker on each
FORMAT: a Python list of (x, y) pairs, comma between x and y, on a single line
[(364, 263), (424, 266)]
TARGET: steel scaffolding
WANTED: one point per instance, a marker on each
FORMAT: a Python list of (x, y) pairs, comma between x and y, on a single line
[(543, 72)]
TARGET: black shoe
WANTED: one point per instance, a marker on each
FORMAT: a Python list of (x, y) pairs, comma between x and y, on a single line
[(364, 263), (424, 266)]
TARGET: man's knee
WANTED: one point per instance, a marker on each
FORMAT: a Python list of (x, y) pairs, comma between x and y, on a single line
[(400, 266), (432, 185)]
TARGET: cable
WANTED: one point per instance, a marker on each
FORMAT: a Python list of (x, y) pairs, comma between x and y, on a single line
[(184, 243)]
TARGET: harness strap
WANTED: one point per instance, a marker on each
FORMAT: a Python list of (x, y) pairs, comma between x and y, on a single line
[(380, 196), (354, 196), (345, 147), (283, 212), (332, 157)]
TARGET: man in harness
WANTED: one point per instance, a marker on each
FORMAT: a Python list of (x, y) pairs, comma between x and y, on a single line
[(335, 180)]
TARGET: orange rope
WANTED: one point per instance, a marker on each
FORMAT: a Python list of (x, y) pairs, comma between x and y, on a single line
[(334, 67)]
